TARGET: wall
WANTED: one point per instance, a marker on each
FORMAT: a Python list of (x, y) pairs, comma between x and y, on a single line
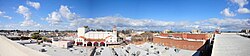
[(182, 44), (189, 36)]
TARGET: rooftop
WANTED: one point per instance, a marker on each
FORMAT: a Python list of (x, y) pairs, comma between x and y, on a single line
[(10, 48), (231, 45)]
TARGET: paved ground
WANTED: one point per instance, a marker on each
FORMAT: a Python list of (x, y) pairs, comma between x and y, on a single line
[(231, 45), (10, 48)]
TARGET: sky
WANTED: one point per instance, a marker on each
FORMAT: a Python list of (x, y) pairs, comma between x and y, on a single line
[(125, 14)]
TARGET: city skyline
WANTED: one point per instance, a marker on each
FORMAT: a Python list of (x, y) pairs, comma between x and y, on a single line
[(138, 14)]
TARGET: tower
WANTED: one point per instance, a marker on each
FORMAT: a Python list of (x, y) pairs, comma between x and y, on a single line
[(81, 31), (114, 38), (114, 30)]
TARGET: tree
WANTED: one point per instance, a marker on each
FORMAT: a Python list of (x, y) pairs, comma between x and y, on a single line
[(170, 32), (56, 30), (44, 38), (35, 36)]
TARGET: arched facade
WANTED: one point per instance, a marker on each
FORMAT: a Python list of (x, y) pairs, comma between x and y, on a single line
[(89, 44), (102, 44), (97, 38), (81, 42)]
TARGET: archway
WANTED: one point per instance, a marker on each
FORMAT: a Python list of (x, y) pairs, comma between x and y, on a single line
[(89, 44), (79, 43), (102, 44), (95, 43)]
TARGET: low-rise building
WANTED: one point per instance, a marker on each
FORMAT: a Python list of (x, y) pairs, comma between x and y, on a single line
[(63, 44), (96, 38), (183, 40), (166, 31), (195, 31)]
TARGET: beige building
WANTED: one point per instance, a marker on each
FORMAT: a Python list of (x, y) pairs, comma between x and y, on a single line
[(195, 31), (63, 44), (96, 38), (166, 31)]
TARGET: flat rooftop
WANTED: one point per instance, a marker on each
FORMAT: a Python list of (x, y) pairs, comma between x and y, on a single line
[(10, 48), (231, 45)]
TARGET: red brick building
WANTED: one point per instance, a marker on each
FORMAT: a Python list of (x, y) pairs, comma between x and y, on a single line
[(184, 41), (188, 36)]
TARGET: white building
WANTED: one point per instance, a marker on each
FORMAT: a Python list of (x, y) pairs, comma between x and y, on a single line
[(96, 38), (63, 44), (166, 31), (196, 31)]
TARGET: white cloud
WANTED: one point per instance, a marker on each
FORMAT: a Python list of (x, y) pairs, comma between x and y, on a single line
[(29, 23), (150, 24), (27, 16), (140, 24), (228, 23), (243, 10), (8, 17), (109, 21), (54, 18), (241, 3), (36, 5), (227, 12), (2, 14), (74, 21), (66, 13), (24, 11)]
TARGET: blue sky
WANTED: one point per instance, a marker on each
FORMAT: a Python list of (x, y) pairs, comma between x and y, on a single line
[(135, 14)]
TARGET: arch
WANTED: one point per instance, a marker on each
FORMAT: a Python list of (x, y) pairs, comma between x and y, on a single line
[(89, 44), (79, 43), (102, 44), (96, 44)]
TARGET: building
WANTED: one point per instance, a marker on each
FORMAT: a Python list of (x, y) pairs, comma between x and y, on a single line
[(217, 31), (62, 44), (196, 31), (96, 38), (166, 31), (182, 40), (245, 31)]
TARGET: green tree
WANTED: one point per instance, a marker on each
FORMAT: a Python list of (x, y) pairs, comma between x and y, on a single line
[(35, 36), (44, 38), (171, 32)]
